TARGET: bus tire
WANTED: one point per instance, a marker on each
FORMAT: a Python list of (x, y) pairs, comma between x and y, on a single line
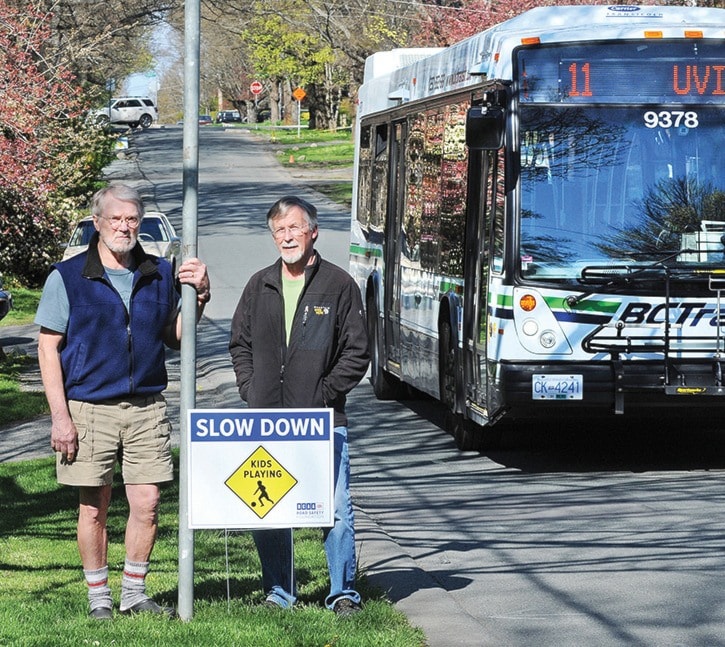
[(447, 370), (471, 437), (385, 385), (467, 435)]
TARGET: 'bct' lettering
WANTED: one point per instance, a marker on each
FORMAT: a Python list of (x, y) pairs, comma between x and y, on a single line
[(646, 313)]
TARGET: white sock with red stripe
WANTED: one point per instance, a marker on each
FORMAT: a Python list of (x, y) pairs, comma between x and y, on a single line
[(99, 593), (133, 584)]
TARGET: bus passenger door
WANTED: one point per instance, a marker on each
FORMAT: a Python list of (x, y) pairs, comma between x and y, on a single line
[(476, 286), (394, 242)]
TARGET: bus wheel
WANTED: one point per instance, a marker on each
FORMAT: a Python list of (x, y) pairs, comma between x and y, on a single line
[(473, 437), (467, 435), (385, 385), (447, 372)]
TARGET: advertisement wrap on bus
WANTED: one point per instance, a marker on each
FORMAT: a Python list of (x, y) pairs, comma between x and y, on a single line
[(538, 224)]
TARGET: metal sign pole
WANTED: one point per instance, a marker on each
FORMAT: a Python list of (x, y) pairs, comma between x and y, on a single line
[(192, 20)]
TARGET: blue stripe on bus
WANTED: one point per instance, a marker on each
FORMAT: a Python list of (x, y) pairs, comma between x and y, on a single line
[(571, 317), (581, 317)]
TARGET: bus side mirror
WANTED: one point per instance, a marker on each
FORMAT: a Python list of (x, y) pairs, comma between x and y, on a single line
[(485, 128)]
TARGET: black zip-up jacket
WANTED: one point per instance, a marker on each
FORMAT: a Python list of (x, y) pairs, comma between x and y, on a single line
[(327, 354)]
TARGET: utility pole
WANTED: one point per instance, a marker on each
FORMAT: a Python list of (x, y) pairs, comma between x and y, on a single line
[(192, 24)]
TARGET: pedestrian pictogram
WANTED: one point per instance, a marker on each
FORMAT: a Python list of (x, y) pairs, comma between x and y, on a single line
[(261, 482)]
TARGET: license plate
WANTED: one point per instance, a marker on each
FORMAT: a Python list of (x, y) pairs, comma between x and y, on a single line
[(557, 387)]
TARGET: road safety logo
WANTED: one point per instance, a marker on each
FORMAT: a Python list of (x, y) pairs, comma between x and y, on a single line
[(261, 482)]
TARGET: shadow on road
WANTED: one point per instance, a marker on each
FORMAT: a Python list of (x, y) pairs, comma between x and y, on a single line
[(684, 442)]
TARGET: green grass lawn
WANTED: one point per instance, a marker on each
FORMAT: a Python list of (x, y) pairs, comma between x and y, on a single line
[(317, 156), (43, 596), (288, 136), (319, 150), (15, 404), (340, 192), (25, 303)]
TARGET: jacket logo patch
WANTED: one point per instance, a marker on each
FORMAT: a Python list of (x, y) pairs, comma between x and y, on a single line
[(321, 310)]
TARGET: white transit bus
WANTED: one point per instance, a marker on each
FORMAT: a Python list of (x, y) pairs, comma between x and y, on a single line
[(538, 222)]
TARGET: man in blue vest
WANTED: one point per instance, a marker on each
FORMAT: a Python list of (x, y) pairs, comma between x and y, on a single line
[(105, 317)]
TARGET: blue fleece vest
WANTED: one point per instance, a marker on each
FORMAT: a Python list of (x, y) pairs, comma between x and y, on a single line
[(111, 352)]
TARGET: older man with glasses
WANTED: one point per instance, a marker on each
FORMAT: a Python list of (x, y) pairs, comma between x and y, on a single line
[(299, 340), (105, 317)]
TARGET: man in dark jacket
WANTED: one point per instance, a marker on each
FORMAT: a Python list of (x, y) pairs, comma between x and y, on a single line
[(299, 340), (105, 316)]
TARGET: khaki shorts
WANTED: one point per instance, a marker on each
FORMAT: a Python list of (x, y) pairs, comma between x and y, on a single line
[(135, 432)]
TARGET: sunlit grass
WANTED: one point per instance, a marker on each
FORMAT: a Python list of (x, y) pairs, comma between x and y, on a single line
[(322, 156), (16, 404), (307, 136), (43, 595), (25, 303)]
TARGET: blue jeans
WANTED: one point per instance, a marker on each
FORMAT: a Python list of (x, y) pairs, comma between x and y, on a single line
[(275, 546)]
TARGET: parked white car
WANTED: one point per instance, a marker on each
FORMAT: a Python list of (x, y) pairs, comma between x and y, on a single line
[(157, 236), (133, 111)]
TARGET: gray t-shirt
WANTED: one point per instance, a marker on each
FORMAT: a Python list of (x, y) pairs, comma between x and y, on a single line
[(54, 308)]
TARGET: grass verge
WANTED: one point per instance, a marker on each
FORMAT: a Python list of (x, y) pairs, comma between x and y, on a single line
[(25, 303), (340, 192), (334, 155), (43, 596), (319, 149), (288, 136), (15, 404)]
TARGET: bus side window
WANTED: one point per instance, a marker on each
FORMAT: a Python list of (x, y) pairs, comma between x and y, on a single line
[(495, 196), (381, 140), (363, 179), (379, 181)]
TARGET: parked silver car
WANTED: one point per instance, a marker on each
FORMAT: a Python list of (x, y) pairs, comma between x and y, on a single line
[(157, 236)]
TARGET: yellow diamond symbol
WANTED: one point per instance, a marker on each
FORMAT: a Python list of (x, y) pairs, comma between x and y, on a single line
[(261, 481)]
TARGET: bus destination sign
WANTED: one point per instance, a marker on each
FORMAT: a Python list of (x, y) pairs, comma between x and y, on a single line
[(621, 73)]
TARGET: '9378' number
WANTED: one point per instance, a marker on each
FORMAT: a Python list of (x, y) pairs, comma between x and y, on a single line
[(671, 119)]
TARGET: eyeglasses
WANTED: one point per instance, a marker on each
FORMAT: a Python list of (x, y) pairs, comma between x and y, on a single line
[(294, 230), (131, 222)]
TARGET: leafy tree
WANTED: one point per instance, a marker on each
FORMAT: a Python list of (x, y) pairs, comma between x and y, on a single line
[(49, 156), (286, 57), (100, 40), (321, 46)]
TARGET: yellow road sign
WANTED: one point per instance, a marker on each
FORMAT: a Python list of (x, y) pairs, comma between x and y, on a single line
[(261, 482)]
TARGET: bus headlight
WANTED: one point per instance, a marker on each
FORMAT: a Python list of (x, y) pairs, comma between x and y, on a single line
[(530, 327), (548, 339), (535, 319)]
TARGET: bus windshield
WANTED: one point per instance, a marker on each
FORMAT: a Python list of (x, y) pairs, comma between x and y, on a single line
[(603, 182), (620, 184)]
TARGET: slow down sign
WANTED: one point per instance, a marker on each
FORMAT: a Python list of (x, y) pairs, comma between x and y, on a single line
[(260, 468)]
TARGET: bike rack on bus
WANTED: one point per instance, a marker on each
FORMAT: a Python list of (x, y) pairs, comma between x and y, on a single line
[(683, 357)]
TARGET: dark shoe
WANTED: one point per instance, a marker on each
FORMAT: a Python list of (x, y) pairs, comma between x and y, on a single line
[(149, 606), (345, 607), (101, 613)]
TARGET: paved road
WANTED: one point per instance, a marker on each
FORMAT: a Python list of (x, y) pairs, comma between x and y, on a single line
[(569, 535)]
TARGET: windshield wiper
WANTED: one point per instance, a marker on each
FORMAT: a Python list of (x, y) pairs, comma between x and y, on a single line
[(607, 276)]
